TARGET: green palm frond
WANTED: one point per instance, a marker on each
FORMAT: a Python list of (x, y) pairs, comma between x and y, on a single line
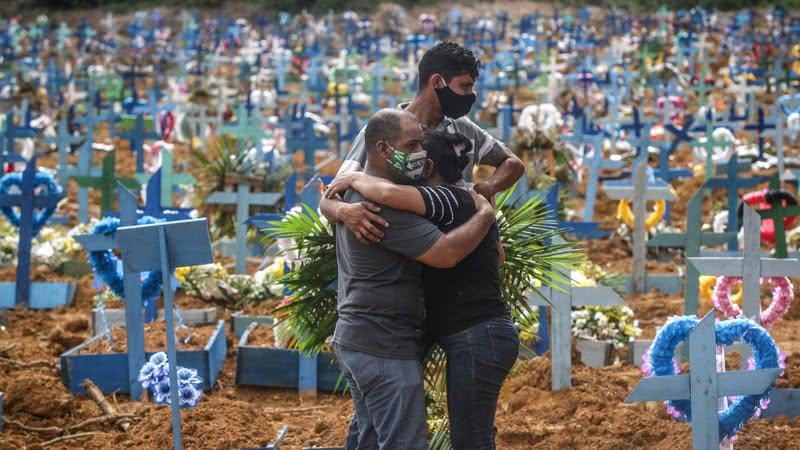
[(312, 311)]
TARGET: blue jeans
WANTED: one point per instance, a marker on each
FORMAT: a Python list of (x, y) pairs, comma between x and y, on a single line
[(478, 361), (388, 400)]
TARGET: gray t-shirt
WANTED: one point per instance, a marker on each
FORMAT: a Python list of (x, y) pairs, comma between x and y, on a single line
[(380, 302), (485, 148)]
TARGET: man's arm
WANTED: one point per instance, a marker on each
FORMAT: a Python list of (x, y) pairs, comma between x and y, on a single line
[(506, 174), (360, 217), (379, 190), (454, 246), (490, 151)]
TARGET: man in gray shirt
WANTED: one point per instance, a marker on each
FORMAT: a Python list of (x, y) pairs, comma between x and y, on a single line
[(378, 337), (447, 75)]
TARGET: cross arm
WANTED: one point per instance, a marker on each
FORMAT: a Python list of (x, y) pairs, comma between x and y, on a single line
[(264, 198), (676, 387), (87, 181), (596, 295), (622, 192), (725, 266), (669, 240), (130, 183), (95, 242)]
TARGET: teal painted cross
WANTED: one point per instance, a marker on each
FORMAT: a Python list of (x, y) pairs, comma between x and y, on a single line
[(247, 127), (710, 143), (691, 241), (169, 179), (107, 182), (63, 140), (243, 199), (704, 386)]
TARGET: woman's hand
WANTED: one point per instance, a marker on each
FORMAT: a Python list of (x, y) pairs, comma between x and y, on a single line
[(342, 183)]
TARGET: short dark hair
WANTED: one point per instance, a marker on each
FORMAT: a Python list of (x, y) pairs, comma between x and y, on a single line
[(384, 126), (449, 153), (449, 60)]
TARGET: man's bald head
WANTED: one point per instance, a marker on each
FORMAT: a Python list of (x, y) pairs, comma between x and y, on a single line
[(387, 125), (387, 131)]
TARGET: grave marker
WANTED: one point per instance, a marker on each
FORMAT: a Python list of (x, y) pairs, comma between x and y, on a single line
[(561, 303), (704, 386), (691, 241), (243, 199), (164, 247), (24, 293), (640, 192), (107, 182)]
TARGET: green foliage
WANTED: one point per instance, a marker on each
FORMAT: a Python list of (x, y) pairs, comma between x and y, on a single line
[(312, 311)]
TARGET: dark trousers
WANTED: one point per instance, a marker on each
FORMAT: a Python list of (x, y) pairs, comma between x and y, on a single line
[(478, 361)]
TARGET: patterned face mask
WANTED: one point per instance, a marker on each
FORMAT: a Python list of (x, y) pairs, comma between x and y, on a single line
[(410, 165)]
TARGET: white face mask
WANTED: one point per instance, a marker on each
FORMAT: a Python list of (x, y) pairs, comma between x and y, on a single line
[(410, 165)]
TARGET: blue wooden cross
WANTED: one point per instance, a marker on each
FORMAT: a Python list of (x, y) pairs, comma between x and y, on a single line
[(704, 385), (732, 183), (641, 190), (136, 136), (153, 205), (64, 141), (680, 134), (640, 136), (165, 247), (560, 300), (21, 131), (132, 285), (21, 293), (300, 134), (243, 199), (596, 164), (759, 128)]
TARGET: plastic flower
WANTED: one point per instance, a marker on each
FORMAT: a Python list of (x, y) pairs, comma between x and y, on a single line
[(161, 392), (188, 376), (159, 359), (189, 395)]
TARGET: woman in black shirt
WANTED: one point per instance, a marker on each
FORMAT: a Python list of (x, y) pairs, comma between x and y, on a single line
[(466, 314)]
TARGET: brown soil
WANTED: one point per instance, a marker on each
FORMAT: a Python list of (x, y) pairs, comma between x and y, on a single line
[(155, 339), (261, 336), (262, 309)]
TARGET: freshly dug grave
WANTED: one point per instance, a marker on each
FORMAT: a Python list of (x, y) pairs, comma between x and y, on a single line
[(155, 339)]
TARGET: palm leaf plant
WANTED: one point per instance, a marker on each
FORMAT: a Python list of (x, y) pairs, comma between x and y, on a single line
[(229, 155), (534, 257)]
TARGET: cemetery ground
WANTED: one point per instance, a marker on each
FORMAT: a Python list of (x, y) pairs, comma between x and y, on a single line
[(591, 415)]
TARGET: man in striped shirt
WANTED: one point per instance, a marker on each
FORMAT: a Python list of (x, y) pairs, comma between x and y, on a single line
[(447, 74)]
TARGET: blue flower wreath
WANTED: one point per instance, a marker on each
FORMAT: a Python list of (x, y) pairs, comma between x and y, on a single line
[(105, 263), (765, 353), (39, 179)]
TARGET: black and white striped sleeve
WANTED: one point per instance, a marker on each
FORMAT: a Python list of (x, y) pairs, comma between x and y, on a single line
[(440, 204)]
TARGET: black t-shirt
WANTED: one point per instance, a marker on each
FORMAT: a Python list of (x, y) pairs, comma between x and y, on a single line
[(469, 293)]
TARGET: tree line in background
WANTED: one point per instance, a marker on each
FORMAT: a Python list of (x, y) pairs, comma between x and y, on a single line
[(324, 5)]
